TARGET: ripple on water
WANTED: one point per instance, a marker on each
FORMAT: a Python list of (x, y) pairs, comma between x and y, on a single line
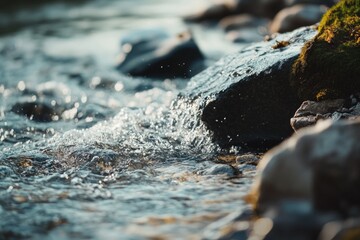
[(120, 156)]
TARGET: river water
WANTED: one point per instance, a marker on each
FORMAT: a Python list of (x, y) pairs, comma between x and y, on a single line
[(123, 158)]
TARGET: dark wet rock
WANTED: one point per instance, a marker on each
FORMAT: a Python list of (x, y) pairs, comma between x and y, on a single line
[(328, 3), (35, 110), (319, 165), (297, 16), (224, 8), (215, 11), (242, 21), (160, 55), (267, 8), (310, 111), (246, 98)]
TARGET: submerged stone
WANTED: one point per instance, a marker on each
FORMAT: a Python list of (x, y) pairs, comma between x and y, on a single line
[(37, 111), (246, 98), (158, 54)]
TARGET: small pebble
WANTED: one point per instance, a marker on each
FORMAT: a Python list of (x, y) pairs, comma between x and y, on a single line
[(221, 169)]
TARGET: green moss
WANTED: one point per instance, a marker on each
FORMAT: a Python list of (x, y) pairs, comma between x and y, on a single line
[(329, 65)]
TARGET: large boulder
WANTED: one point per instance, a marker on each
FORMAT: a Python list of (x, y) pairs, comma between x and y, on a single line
[(246, 98), (319, 166), (155, 53)]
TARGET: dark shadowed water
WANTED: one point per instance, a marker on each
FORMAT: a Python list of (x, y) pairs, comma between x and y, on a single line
[(111, 156)]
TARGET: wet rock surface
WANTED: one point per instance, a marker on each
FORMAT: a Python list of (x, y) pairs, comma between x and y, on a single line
[(246, 97), (310, 111), (158, 54)]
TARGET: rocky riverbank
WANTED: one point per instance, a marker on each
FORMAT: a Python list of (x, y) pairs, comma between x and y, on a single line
[(306, 187), (93, 150)]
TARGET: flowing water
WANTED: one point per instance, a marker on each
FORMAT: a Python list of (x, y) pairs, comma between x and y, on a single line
[(118, 157)]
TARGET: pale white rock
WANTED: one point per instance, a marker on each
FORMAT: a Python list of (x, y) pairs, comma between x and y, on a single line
[(319, 165), (297, 16)]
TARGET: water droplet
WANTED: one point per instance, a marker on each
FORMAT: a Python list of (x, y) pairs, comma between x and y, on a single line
[(21, 86)]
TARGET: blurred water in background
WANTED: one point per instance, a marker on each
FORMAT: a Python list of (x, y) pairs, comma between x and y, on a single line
[(118, 157)]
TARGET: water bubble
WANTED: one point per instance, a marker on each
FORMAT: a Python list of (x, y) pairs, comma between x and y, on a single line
[(127, 48), (118, 86), (83, 99), (21, 86)]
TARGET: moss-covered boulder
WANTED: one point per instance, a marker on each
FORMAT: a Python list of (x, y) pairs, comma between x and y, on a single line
[(329, 65)]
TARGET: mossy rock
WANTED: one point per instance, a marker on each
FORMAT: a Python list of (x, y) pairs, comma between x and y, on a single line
[(329, 65)]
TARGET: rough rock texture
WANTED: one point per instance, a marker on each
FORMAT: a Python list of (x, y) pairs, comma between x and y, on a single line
[(320, 166), (297, 16), (310, 112), (245, 98), (158, 54), (329, 65)]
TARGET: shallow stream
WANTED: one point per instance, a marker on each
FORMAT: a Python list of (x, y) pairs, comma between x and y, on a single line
[(123, 158)]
